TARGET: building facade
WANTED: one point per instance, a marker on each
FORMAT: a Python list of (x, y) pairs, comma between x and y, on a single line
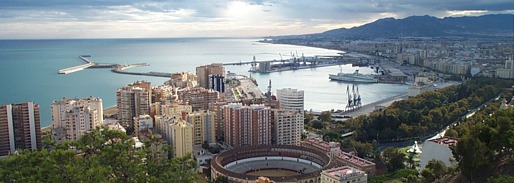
[(182, 138), (219, 119), (133, 100), (203, 123), (507, 71), (142, 123), (343, 174), (291, 99), (203, 73), (174, 109), (217, 83), (288, 127), (247, 125), (199, 98), (71, 118), (20, 127), (182, 80), (334, 151)]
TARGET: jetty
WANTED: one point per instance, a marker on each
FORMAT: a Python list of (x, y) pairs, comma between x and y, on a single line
[(120, 70), (116, 68), (87, 64)]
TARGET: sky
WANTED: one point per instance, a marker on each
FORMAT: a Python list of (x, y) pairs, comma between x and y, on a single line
[(49, 19)]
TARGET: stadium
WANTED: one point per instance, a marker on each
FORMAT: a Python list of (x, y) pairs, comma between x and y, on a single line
[(280, 163)]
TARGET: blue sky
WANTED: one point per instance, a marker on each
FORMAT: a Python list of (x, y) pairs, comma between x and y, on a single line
[(46, 19)]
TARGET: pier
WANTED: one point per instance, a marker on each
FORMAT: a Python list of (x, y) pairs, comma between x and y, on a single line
[(116, 68), (119, 69), (78, 68)]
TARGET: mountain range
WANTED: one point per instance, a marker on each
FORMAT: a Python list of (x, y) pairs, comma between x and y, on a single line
[(428, 26)]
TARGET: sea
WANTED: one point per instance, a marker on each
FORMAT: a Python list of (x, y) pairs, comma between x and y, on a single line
[(29, 69)]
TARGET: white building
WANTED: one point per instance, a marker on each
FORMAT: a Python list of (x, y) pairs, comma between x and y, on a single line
[(142, 123), (288, 127), (343, 174), (421, 85), (507, 71), (291, 99), (72, 117)]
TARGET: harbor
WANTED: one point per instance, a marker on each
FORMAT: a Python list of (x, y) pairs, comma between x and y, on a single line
[(384, 71)]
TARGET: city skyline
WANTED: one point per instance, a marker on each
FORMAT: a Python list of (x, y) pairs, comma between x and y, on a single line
[(220, 18)]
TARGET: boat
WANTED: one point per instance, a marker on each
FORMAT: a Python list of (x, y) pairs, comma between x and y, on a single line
[(354, 77)]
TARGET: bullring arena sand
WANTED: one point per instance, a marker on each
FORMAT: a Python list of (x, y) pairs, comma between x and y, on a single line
[(273, 172)]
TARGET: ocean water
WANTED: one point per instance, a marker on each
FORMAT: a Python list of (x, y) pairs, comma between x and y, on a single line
[(28, 69)]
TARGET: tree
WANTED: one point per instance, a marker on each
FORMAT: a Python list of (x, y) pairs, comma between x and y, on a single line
[(325, 116), (318, 125), (205, 145), (428, 175), (438, 167), (308, 117), (501, 179), (363, 149), (393, 159), (220, 179), (101, 155), (472, 155), (451, 133), (331, 136)]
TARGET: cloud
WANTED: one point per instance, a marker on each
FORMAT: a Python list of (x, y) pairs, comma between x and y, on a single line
[(161, 18)]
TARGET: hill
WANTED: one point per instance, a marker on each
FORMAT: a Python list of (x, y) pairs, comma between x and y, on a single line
[(428, 26)]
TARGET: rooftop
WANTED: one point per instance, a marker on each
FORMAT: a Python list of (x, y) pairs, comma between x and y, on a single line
[(344, 172)]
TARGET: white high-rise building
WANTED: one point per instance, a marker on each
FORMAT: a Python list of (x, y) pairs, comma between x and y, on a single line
[(72, 117), (291, 99), (288, 127)]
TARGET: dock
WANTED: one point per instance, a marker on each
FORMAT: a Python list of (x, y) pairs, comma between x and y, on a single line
[(295, 63), (78, 68)]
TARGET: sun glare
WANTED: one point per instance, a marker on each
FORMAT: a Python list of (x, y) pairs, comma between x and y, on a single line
[(238, 9), (466, 12)]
